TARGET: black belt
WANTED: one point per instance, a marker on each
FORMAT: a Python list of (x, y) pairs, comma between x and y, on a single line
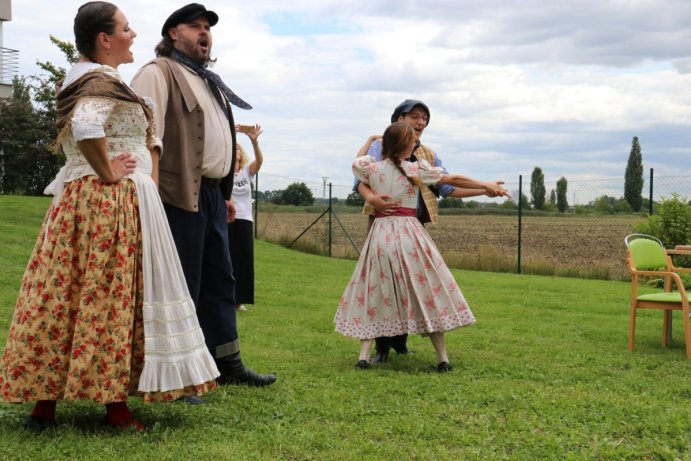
[(211, 182)]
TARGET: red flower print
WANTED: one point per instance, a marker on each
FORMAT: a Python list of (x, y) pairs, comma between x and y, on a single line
[(382, 276), (77, 352), (19, 371), (413, 254), (360, 300)]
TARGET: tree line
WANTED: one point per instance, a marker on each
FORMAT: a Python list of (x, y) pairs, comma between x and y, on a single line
[(558, 199)]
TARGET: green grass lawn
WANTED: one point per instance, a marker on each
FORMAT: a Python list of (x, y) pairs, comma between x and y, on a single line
[(543, 374)]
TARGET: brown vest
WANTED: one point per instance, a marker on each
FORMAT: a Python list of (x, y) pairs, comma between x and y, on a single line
[(425, 153), (180, 166)]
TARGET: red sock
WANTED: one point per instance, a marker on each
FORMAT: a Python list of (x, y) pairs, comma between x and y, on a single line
[(45, 409), (119, 415)]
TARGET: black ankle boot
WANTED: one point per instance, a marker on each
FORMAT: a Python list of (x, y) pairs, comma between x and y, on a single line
[(234, 372), (381, 356), (398, 343)]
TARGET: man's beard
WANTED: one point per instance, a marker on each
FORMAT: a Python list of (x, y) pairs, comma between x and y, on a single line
[(192, 50)]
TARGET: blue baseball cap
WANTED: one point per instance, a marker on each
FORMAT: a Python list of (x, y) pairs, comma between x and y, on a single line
[(408, 105)]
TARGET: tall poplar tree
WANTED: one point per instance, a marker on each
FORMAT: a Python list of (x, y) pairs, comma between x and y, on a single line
[(537, 189), (562, 202), (633, 178)]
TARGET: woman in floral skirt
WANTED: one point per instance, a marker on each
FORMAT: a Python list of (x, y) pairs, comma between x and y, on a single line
[(103, 310), (401, 283)]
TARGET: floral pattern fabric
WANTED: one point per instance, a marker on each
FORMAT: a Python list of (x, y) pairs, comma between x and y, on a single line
[(401, 283), (78, 330)]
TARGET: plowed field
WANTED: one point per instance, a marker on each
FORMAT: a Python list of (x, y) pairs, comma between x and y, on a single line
[(567, 245)]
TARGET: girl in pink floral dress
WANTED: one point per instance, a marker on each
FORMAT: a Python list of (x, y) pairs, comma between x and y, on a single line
[(401, 283), (103, 310)]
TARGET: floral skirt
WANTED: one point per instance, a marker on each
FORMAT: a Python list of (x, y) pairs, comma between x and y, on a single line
[(400, 285), (77, 331)]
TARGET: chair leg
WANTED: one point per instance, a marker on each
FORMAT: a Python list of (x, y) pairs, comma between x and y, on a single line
[(666, 322), (632, 327), (687, 333)]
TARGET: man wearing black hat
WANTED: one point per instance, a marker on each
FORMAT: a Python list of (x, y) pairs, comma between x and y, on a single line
[(416, 114), (195, 143)]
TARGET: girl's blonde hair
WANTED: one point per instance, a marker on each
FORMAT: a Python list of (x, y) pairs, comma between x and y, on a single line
[(244, 158), (397, 138)]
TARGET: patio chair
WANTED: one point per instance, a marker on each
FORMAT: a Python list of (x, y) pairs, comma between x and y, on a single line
[(647, 257)]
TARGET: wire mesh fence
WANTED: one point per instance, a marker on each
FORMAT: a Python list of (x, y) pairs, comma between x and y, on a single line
[(586, 240)]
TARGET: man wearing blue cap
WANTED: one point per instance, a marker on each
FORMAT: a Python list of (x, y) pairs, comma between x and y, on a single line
[(416, 114), (195, 142)]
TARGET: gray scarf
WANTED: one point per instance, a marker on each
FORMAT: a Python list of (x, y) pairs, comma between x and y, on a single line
[(218, 88)]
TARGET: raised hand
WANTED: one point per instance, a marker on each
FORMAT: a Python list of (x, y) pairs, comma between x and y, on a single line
[(254, 132)]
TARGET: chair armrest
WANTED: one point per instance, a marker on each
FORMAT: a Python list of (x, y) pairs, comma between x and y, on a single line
[(672, 275), (679, 284)]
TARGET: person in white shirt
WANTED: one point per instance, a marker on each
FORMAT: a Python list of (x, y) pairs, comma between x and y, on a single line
[(240, 230)]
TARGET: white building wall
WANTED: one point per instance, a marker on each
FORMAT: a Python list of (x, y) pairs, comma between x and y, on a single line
[(5, 15)]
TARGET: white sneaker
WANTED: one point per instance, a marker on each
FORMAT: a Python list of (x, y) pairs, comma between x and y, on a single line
[(241, 307)]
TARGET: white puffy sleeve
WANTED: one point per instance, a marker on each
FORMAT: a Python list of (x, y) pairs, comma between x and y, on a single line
[(362, 167), (427, 173), (90, 116)]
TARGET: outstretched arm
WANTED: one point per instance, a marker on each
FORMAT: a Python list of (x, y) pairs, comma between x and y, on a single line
[(459, 192), (491, 189)]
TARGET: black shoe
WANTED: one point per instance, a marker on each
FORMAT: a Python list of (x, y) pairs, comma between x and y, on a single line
[(39, 423), (246, 377), (362, 364), (191, 399), (380, 357), (402, 349), (443, 367), (234, 372)]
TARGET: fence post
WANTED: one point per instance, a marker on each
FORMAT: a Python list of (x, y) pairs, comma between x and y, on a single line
[(330, 213), (520, 218), (256, 203), (650, 205)]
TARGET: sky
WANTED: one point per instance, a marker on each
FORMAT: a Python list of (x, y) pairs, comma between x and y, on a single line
[(563, 85)]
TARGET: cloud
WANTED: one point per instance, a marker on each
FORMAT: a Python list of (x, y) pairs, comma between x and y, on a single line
[(563, 85)]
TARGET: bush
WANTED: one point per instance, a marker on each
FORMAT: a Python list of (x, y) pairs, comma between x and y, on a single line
[(671, 224)]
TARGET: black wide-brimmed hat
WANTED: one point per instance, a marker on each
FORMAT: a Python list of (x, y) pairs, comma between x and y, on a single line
[(188, 13)]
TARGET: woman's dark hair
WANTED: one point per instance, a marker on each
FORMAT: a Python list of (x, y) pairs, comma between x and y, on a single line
[(92, 19), (397, 138)]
